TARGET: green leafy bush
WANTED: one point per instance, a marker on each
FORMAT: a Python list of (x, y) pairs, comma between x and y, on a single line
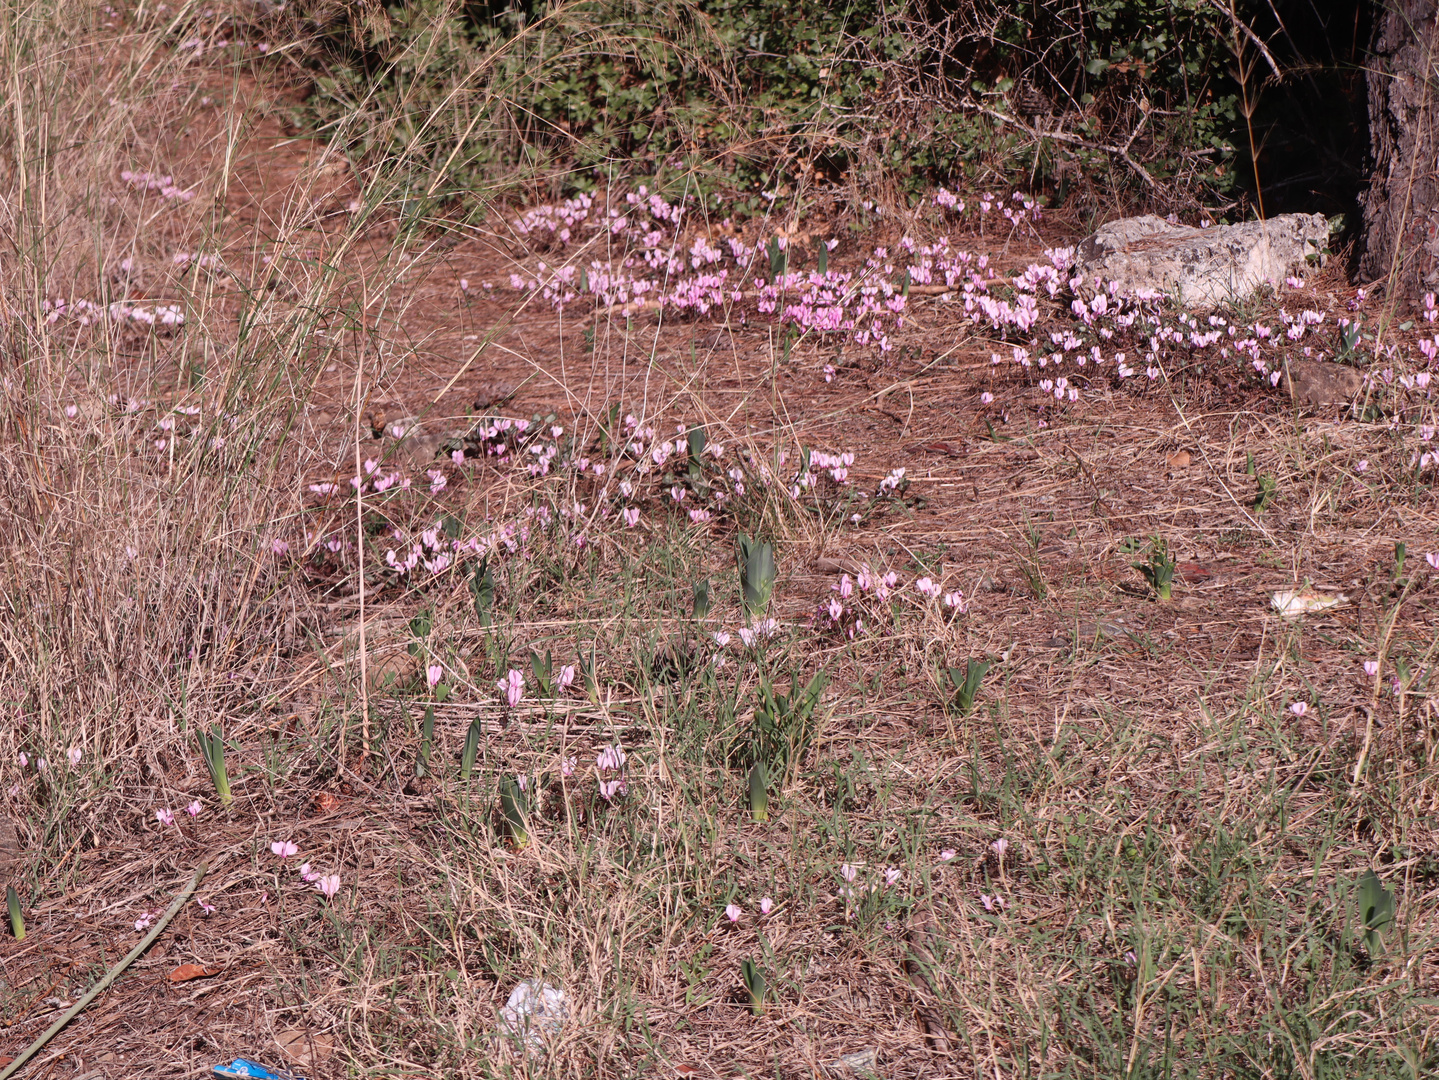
[(744, 98)]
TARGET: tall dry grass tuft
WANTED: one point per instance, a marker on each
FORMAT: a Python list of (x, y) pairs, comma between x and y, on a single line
[(154, 393)]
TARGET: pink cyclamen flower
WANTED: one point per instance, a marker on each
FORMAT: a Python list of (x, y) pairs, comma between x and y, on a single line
[(892, 874), (928, 587), (999, 847), (144, 921), (513, 687), (433, 674), (306, 874), (329, 884), (74, 754), (632, 517), (947, 854), (24, 759), (284, 848), (567, 676), (732, 912), (766, 905), (848, 872), (208, 909), (164, 816), (955, 601), (194, 808), (1299, 708), (610, 788), (1433, 559), (1371, 668)]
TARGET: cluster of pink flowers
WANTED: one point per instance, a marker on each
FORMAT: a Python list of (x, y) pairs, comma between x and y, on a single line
[(844, 612), (328, 884), (849, 872), (733, 912), (87, 313), (512, 687), (183, 259), (165, 816), (610, 765), (165, 185)]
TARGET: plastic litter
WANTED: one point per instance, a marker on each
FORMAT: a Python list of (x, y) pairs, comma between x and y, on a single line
[(242, 1068), (534, 1012), (1299, 602)]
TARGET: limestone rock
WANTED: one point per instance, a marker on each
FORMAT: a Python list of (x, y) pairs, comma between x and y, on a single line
[(1203, 267), (1319, 384), (419, 450)]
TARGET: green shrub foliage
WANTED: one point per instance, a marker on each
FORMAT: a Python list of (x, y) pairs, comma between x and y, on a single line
[(739, 98)]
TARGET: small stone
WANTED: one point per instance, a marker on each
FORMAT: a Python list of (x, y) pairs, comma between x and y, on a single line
[(492, 394), (420, 450), (392, 671), (383, 414), (1318, 384)]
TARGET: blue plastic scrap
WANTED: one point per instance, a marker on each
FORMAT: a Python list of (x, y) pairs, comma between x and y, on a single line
[(245, 1069)]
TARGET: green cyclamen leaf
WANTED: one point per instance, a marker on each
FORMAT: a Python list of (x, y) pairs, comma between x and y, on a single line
[(1376, 908), (17, 920)]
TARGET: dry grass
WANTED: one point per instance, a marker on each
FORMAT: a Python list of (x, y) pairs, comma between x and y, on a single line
[(1176, 893)]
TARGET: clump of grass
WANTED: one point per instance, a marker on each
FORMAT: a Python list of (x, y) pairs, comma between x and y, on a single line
[(1158, 569)]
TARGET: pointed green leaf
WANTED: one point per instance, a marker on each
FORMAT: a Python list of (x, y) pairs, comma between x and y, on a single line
[(515, 809), (472, 749), (1376, 908), (759, 792), (17, 920)]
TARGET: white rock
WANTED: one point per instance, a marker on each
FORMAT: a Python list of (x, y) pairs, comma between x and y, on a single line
[(1202, 267), (534, 1012)]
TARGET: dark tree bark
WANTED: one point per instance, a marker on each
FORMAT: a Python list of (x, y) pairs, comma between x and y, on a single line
[(1401, 207)]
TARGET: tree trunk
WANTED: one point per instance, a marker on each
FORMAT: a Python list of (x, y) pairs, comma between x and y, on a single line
[(1401, 207)]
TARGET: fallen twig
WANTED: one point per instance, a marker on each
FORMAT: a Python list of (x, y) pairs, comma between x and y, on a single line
[(110, 976)]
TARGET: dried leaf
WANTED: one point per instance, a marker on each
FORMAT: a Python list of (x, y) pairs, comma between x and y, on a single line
[(327, 802), (303, 1047), (186, 972), (1180, 459)]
